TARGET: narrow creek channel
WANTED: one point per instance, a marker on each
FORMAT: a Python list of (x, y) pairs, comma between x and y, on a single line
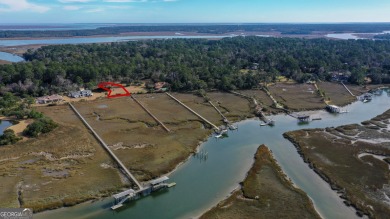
[(201, 184)]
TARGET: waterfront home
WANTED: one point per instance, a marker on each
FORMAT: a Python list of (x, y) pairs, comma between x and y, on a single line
[(161, 86), (55, 98), (79, 94)]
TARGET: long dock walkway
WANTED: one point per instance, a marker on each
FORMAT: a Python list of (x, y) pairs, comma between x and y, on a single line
[(348, 89), (151, 114), (121, 165), (220, 113), (191, 110)]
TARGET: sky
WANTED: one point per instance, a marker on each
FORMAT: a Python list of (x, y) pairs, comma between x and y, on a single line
[(193, 11)]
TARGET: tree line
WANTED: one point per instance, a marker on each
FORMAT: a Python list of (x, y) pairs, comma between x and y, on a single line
[(192, 64), (209, 29)]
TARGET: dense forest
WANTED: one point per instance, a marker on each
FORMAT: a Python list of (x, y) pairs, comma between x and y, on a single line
[(207, 29), (191, 64)]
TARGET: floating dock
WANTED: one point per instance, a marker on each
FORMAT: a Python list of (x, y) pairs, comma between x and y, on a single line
[(130, 194)]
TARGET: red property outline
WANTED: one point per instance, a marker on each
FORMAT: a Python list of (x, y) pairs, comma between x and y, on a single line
[(104, 86)]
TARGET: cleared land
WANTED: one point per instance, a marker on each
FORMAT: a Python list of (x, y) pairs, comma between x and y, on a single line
[(265, 193), (297, 96), (352, 159), (61, 168)]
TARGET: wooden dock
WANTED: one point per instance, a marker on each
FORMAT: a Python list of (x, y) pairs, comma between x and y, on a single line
[(120, 164), (151, 114), (347, 89), (218, 111), (192, 111)]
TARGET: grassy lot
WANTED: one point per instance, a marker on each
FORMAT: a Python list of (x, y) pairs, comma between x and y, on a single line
[(233, 107), (336, 93), (263, 99), (201, 106), (297, 96), (265, 193), (334, 154), (61, 168)]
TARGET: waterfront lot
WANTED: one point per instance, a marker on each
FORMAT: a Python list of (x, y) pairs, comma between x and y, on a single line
[(297, 96), (336, 94), (235, 108)]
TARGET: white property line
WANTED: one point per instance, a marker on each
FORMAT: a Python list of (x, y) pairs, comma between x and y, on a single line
[(107, 148)]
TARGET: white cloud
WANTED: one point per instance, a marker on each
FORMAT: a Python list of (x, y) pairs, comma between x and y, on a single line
[(124, 1), (71, 8), (96, 10), (74, 1), (21, 5), (119, 7), (170, 0)]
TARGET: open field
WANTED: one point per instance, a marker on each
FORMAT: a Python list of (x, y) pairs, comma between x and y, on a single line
[(61, 168), (352, 159), (297, 96), (265, 193)]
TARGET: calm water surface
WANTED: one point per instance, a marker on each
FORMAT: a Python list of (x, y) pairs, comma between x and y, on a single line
[(96, 40), (4, 125), (10, 57), (202, 184)]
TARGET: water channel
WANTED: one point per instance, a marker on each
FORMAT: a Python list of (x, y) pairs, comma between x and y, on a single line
[(202, 184), (81, 40)]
